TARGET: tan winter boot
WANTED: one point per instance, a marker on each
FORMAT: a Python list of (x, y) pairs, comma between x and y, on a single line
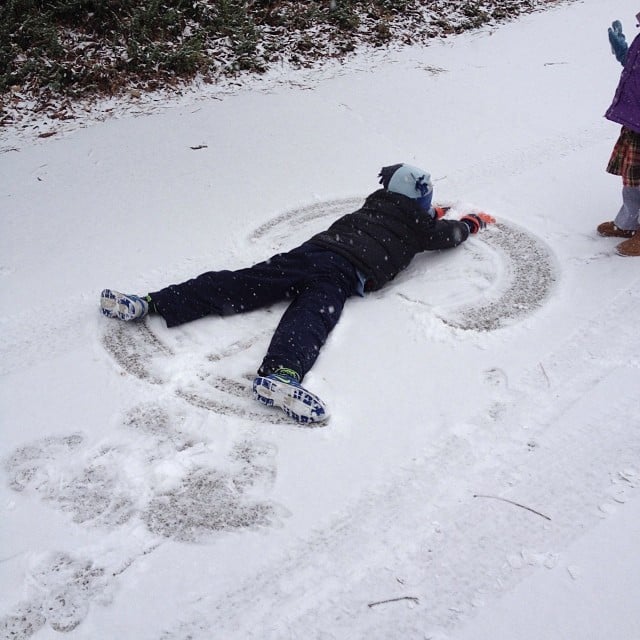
[(630, 247), (609, 230)]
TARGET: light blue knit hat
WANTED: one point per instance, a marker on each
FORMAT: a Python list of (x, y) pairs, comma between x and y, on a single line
[(409, 181)]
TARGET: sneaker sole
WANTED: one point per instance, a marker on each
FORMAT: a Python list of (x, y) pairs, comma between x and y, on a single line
[(616, 235), (623, 254), (114, 304), (108, 304), (296, 402)]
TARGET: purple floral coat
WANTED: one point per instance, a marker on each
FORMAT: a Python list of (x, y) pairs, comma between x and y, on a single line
[(625, 108)]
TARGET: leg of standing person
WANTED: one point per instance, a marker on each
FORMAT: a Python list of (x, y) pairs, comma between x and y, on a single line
[(625, 162), (628, 217)]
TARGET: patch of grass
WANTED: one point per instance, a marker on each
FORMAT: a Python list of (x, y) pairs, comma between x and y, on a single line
[(76, 49)]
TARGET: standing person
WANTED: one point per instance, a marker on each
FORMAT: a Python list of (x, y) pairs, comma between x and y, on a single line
[(625, 158), (359, 252)]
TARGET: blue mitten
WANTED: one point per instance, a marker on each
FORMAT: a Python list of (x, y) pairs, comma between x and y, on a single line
[(618, 42)]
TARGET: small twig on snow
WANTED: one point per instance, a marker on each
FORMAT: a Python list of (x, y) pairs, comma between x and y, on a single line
[(412, 598), (545, 375), (517, 504)]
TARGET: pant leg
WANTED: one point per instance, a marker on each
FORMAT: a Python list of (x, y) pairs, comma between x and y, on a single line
[(628, 217), (312, 315), (229, 292)]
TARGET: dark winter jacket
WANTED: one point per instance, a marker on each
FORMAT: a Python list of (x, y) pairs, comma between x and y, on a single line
[(383, 236), (625, 108)]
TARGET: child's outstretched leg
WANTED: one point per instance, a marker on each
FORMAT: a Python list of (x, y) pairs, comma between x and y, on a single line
[(214, 292), (301, 333)]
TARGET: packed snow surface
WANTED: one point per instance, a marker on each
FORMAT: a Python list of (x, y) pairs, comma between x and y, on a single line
[(478, 477)]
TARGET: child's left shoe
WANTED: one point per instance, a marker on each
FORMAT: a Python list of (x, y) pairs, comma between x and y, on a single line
[(122, 306), (286, 393), (630, 247), (610, 230)]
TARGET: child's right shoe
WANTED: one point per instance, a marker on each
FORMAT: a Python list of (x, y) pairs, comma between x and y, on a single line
[(122, 306), (283, 391), (630, 247)]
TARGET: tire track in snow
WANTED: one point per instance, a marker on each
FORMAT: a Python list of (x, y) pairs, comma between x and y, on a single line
[(524, 159), (29, 338)]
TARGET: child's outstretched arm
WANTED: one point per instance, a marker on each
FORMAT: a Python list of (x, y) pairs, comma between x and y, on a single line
[(619, 46)]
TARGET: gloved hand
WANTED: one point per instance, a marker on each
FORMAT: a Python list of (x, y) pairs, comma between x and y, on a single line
[(618, 42), (616, 27), (477, 221), (440, 211)]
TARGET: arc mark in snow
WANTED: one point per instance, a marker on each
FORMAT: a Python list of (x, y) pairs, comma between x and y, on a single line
[(531, 274), (132, 346), (136, 349)]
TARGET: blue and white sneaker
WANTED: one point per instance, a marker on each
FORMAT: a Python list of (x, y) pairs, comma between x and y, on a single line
[(121, 306), (285, 392)]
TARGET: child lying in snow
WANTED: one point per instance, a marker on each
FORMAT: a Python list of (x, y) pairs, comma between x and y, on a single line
[(359, 252)]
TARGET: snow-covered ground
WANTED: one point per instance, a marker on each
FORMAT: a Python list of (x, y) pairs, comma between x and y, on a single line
[(478, 478)]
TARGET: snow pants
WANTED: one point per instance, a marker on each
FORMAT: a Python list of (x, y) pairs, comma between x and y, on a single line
[(316, 280)]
